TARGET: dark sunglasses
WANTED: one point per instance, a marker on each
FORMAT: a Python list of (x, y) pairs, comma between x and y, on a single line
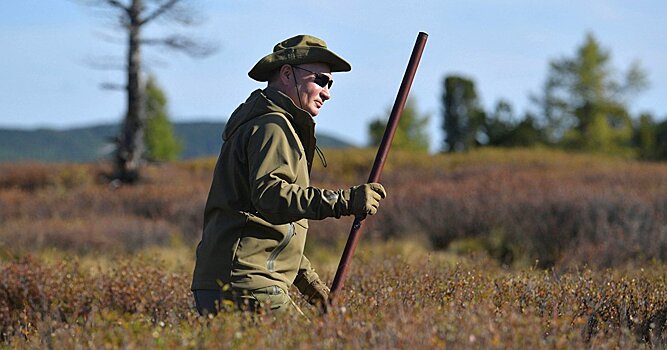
[(321, 79)]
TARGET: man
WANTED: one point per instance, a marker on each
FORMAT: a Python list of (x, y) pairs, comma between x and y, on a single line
[(260, 200)]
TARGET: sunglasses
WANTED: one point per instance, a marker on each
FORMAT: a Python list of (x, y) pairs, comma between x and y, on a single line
[(321, 79)]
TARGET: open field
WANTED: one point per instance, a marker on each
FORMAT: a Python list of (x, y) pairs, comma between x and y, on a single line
[(491, 249)]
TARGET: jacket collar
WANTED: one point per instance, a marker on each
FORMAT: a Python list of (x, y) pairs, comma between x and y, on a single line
[(301, 120), (300, 117)]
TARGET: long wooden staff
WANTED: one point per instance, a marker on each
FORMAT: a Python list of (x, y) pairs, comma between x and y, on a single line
[(380, 158)]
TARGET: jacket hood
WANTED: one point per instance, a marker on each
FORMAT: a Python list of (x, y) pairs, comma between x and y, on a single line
[(261, 102)]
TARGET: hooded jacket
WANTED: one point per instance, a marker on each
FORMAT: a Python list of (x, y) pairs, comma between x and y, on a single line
[(257, 211)]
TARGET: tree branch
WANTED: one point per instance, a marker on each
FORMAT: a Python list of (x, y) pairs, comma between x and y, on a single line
[(184, 44), (109, 38), (105, 63), (117, 4), (159, 11), (113, 86)]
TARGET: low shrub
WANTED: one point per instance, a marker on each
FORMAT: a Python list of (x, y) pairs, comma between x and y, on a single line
[(521, 206), (395, 297)]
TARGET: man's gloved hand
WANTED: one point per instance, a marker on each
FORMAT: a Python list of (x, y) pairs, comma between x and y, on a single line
[(316, 293), (365, 199)]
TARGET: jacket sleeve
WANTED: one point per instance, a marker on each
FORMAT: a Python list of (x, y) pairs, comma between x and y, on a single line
[(305, 276), (273, 159)]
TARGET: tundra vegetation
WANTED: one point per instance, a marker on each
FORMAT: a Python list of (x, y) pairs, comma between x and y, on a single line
[(491, 248)]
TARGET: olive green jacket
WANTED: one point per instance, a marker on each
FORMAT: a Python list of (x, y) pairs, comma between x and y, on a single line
[(260, 200)]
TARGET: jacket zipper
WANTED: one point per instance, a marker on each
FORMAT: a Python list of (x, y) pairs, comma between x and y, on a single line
[(270, 263)]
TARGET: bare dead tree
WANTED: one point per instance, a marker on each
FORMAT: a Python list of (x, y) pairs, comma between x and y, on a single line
[(131, 17)]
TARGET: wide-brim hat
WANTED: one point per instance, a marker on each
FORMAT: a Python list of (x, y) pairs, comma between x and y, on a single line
[(298, 50)]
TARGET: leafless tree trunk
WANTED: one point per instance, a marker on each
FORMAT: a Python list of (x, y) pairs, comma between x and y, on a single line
[(129, 154), (133, 16)]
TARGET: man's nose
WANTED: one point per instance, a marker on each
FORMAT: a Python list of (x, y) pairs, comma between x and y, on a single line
[(325, 94)]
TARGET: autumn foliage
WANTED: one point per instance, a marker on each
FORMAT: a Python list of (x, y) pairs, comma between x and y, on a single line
[(488, 249)]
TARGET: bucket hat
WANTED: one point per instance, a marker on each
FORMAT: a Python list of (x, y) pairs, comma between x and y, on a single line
[(299, 49)]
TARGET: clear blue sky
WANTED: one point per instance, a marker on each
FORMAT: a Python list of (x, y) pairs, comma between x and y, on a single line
[(503, 45)]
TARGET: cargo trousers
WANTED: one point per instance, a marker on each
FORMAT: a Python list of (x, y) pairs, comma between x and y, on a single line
[(271, 298)]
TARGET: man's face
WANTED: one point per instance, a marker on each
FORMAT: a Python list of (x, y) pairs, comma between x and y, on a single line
[(311, 95)]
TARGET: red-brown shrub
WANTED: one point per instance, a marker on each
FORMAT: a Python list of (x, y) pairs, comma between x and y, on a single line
[(520, 206), (550, 214)]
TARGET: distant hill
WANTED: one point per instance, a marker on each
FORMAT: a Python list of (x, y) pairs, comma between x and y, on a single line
[(87, 144)]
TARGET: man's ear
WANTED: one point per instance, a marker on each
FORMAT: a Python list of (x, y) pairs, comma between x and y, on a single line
[(286, 74)]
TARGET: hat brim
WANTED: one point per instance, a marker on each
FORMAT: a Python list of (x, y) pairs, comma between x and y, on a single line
[(263, 70)]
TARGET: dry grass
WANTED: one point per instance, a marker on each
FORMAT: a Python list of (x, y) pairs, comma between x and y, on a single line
[(535, 249), (398, 296)]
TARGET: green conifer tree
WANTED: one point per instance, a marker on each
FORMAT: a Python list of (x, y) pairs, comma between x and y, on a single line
[(411, 134), (585, 105), (161, 142), (464, 117)]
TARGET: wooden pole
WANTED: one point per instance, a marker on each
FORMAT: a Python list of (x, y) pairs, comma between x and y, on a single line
[(381, 156)]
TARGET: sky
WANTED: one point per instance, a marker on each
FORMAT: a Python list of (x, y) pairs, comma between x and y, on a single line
[(47, 79)]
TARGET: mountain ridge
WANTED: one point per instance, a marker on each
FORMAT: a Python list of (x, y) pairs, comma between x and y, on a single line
[(92, 143)]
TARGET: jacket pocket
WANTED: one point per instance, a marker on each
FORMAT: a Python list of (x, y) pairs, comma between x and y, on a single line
[(271, 261)]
